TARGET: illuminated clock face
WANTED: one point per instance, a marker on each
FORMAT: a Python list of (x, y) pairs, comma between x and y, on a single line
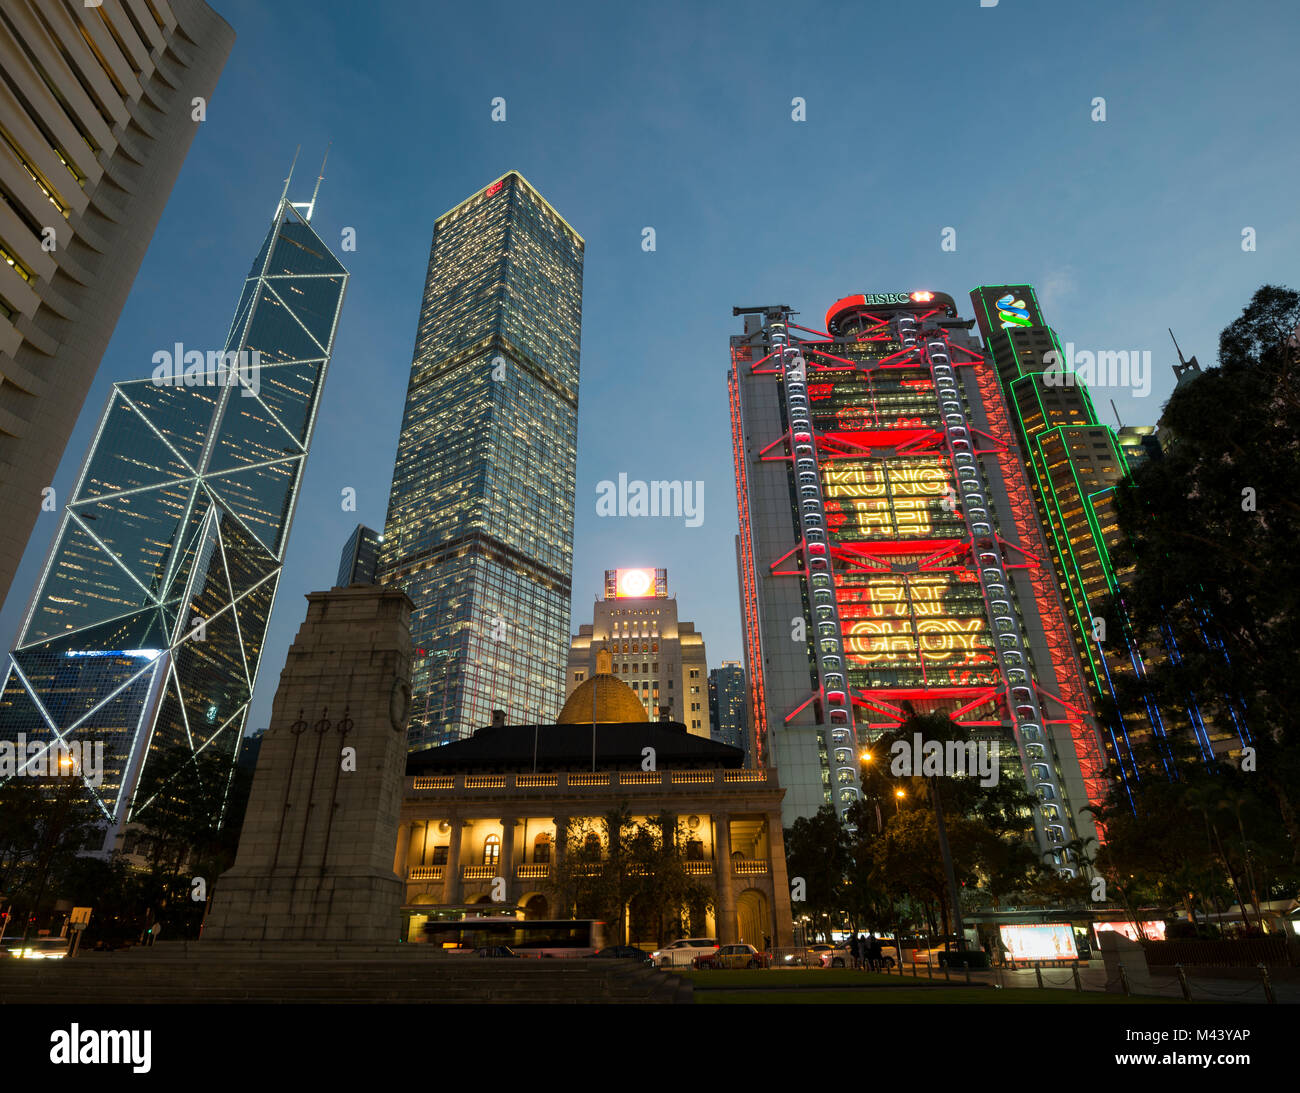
[(635, 582)]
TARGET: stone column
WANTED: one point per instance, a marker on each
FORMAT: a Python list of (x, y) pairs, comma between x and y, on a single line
[(782, 916), (507, 861), (451, 872), (726, 901), (557, 854), (403, 847), (561, 838)]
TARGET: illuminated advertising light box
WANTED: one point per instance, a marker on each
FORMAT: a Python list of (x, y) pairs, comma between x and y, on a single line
[(636, 584), (1154, 931), (1009, 307), (1052, 941)]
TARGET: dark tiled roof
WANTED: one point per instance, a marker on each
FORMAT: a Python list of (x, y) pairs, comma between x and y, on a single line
[(568, 747)]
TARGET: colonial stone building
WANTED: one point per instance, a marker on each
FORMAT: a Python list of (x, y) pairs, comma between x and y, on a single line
[(494, 812)]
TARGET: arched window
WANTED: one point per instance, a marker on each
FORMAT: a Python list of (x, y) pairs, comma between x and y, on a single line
[(542, 849), (492, 850)]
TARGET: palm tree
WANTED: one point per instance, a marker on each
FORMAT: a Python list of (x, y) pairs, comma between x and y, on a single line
[(1234, 798), (1202, 799)]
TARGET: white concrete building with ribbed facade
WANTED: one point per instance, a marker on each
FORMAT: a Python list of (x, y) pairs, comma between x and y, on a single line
[(97, 112)]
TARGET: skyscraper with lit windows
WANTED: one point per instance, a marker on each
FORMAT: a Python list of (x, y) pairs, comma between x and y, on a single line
[(479, 530), (890, 559), (1073, 462), (147, 627)]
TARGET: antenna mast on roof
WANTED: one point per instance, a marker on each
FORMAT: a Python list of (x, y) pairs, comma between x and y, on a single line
[(284, 194), (310, 206)]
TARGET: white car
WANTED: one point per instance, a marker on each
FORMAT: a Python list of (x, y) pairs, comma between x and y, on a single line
[(841, 957), (684, 951)]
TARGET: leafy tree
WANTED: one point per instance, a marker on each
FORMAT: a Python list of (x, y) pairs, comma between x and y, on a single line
[(190, 828), (1210, 533), (819, 849), (44, 824), (663, 888), (1193, 835), (611, 862)]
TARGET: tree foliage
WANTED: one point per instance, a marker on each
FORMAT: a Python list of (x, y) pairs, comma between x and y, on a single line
[(1210, 533), (610, 864)]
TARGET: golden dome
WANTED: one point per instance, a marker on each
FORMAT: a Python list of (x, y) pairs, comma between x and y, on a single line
[(613, 700)]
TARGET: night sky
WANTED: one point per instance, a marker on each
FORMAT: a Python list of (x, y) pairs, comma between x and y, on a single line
[(679, 118)]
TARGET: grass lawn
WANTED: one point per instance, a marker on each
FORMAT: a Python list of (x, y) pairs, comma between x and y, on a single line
[(846, 986), (783, 979), (1010, 997)]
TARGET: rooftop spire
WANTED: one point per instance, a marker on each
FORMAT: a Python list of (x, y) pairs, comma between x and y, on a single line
[(1184, 367), (284, 194)]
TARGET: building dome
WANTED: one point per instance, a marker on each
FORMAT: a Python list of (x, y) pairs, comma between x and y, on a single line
[(613, 700)]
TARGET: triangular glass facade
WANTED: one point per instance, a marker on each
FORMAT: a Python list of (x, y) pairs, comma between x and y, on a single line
[(151, 614)]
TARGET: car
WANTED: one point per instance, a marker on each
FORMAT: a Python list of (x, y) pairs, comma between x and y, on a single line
[(809, 956), (496, 951), (736, 956), (625, 952), (708, 960), (35, 948), (842, 957), (682, 953)]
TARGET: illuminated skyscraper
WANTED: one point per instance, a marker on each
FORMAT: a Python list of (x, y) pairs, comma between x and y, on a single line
[(889, 555), (728, 708), (479, 531), (96, 117), (359, 562), (147, 626), (1073, 462), (661, 658)]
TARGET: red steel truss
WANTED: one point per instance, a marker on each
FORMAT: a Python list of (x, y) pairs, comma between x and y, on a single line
[(748, 582)]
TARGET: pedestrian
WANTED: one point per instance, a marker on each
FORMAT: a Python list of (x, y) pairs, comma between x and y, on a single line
[(875, 952), (855, 948)]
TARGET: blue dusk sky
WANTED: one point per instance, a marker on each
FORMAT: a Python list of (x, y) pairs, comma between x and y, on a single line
[(919, 117)]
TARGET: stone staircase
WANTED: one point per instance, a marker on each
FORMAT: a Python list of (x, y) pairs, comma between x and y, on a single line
[(188, 972)]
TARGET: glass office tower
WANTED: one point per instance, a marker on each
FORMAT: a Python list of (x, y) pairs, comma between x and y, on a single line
[(1074, 462), (889, 560), (147, 626), (480, 519), (359, 562)]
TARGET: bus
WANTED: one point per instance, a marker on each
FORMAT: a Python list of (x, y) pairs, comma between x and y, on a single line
[(527, 937)]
